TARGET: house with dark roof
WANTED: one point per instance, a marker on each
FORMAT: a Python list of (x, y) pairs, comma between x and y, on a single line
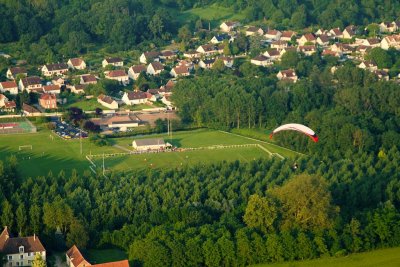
[(287, 75), (155, 68), (228, 26), (150, 56), (206, 63), (135, 71), (107, 101), (54, 69), (219, 38), (20, 251), (30, 83), (117, 75), (149, 144), (253, 30), (13, 72), (114, 61), (88, 79), (261, 60), (134, 98), (52, 89)]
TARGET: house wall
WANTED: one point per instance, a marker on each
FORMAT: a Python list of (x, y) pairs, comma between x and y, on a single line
[(144, 148), (26, 260)]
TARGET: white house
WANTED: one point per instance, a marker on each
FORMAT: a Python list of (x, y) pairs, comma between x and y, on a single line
[(30, 83), (307, 50), (10, 87), (54, 69), (252, 30), (336, 33), (51, 89), (287, 75), (78, 88), (88, 79), (229, 26), (228, 61), (279, 44), (148, 57), (272, 54), (117, 75), (107, 101), (307, 38), (115, 61), (135, 71), (207, 50), (206, 63), (217, 39), (3, 100), (20, 251), (149, 144), (261, 60), (273, 35), (191, 54), (368, 65), (134, 98), (391, 41), (349, 32), (13, 72), (167, 55), (179, 71), (287, 36), (76, 63), (323, 40), (155, 68)]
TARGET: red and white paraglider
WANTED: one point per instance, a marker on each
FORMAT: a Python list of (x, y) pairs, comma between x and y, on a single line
[(295, 127)]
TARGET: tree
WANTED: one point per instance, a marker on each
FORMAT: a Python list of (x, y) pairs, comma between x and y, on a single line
[(260, 213), (184, 33), (35, 215), (306, 203), (380, 57), (218, 65), (21, 218), (38, 261), (7, 216), (77, 235)]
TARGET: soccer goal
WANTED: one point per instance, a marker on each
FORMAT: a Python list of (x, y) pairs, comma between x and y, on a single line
[(25, 147)]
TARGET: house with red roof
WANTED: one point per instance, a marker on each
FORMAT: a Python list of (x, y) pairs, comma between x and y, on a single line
[(49, 70), (13, 72), (10, 87), (117, 75), (48, 101), (74, 258), (76, 63), (287, 75)]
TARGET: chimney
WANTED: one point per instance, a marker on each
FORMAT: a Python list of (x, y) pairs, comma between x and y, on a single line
[(34, 237)]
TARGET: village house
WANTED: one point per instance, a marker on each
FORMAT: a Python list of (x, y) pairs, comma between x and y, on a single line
[(153, 95), (391, 41), (207, 50), (336, 33), (135, 71), (187, 63), (368, 65), (328, 52), (168, 55), (349, 32), (3, 100), (166, 100), (10, 106), (88, 79), (229, 26), (307, 50), (389, 26), (147, 57), (134, 98), (115, 61), (191, 54), (51, 89), (287, 36), (345, 49), (13, 72), (30, 83), (253, 30), (117, 75), (74, 258), (307, 38), (279, 45), (287, 49), (179, 71), (320, 32), (107, 101), (382, 74), (206, 63), (78, 88), (362, 50), (323, 40), (76, 63), (155, 68), (48, 101), (20, 251), (228, 61), (272, 54), (10, 87), (28, 110), (273, 35), (261, 60), (54, 69), (372, 42), (167, 88), (287, 75), (120, 122), (217, 39), (58, 81)]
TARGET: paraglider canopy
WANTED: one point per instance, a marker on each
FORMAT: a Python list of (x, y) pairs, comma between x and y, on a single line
[(296, 127)]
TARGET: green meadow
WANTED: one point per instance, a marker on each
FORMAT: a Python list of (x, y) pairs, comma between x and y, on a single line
[(378, 258)]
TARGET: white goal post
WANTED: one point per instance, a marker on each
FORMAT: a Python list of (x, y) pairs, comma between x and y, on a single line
[(25, 146)]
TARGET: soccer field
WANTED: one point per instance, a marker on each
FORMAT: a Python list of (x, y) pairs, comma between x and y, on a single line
[(51, 153), (192, 139)]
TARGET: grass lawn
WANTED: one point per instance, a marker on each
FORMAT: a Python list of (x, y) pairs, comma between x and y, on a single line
[(383, 257), (198, 138), (46, 154), (213, 13), (96, 256), (87, 104)]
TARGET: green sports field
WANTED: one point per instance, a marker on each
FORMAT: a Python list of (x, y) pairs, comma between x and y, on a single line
[(51, 153), (378, 258)]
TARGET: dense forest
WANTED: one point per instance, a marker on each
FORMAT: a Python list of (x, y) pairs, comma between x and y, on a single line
[(230, 214), (43, 34)]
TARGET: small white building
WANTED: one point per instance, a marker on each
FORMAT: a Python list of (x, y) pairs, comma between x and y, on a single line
[(229, 26), (135, 71), (273, 35), (13, 72), (115, 61), (252, 30), (134, 98), (10, 87), (155, 68), (261, 60), (107, 101), (54, 69), (76, 63), (30, 83), (117, 75), (147, 57), (149, 144)]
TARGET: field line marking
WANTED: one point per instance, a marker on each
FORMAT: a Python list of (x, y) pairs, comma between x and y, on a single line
[(266, 150), (272, 144)]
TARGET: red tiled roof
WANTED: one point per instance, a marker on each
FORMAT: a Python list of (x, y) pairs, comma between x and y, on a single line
[(89, 78), (76, 61), (10, 245), (76, 257), (157, 65), (57, 66), (48, 97), (136, 95), (31, 80), (17, 70), (51, 87), (10, 84), (138, 68), (10, 104), (116, 73), (113, 60)]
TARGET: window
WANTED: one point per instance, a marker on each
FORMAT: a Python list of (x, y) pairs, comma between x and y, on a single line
[(21, 256), (17, 263), (21, 249), (30, 254), (9, 257)]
